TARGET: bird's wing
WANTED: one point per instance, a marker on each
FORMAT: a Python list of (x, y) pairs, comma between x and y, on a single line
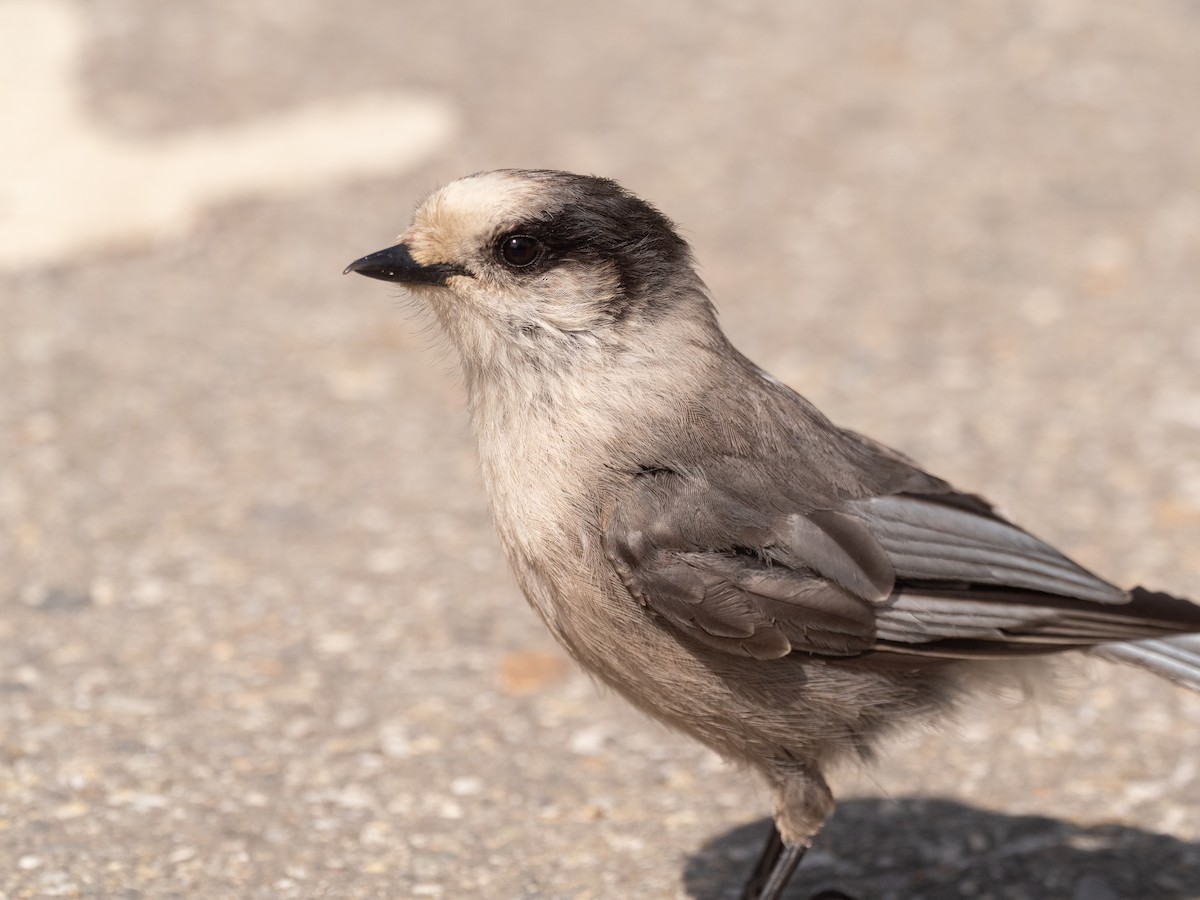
[(699, 558), (931, 538), (937, 575)]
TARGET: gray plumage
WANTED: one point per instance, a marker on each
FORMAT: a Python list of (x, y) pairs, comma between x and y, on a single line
[(700, 537)]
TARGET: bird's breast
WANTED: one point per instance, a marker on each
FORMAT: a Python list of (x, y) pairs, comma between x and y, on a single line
[(544, 508)]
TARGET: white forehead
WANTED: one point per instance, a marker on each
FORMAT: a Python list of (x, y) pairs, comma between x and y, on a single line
[(480, 205)]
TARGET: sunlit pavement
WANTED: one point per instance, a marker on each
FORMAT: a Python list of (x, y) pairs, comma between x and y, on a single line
[(257, 638)]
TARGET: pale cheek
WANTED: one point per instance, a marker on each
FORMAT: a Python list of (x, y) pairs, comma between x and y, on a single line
[(575, 301), (573, 316), (562, 300)]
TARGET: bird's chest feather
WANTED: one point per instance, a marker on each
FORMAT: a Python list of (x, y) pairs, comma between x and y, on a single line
[(544, 498), (553, 456)]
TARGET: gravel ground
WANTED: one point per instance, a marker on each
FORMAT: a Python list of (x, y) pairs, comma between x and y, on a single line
[(257, 638)]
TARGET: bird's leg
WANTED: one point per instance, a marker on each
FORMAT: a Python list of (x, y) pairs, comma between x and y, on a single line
[(803, 802), (772, 847), (774, 868)]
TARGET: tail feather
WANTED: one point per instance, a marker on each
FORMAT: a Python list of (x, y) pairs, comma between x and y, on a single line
[(1175, 658)]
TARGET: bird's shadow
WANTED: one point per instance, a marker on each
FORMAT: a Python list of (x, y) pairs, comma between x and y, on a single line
[(937, 849)]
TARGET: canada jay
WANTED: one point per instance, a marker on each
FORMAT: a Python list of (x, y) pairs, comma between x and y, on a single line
[(700, 537)]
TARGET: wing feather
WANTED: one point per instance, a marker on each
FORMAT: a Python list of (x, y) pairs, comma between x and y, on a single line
[(927, 539), (924, 576)]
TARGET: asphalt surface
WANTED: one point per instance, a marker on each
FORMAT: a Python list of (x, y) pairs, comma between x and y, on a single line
[(257, 638)]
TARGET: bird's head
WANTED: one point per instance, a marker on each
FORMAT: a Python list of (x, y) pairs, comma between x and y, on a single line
[(533, 260)]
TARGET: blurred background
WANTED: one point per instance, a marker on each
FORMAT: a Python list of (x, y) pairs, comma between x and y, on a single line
[(257, 638)]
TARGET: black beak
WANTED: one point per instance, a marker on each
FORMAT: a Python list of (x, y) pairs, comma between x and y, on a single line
[(397, 264)]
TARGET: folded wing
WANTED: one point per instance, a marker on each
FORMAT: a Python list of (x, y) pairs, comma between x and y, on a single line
[(926, 576)]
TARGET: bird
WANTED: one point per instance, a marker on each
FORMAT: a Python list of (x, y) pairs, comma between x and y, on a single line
[(703, 540)]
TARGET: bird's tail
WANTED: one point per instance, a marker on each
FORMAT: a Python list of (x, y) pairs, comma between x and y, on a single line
[(1176, 658)]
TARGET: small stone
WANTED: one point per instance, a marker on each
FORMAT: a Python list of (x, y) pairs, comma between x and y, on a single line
[(466, 786), (336, 643), (589, 741), (182, 855), (377, 833), (394, 742), (57, 598), (349, 718), (354, 796), (529, 671)]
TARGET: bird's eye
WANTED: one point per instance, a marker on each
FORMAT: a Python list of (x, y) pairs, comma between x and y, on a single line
[(520, 250)]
